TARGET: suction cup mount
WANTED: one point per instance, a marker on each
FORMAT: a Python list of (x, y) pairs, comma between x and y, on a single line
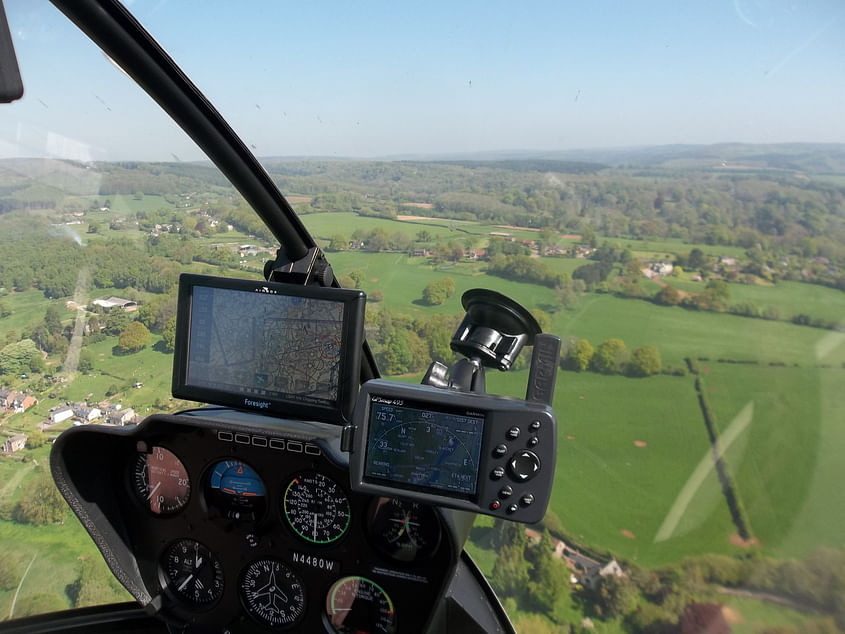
[(493, 331)]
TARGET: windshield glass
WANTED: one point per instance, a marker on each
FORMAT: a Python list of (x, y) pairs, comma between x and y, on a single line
[(663, 187)]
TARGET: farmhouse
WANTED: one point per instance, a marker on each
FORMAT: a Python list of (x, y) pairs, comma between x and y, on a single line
[(60, 413), (121, 417), (127, 305), (5, 397), (86, 414), (662, 268), (592, 578), (14, 443), (22, 402)]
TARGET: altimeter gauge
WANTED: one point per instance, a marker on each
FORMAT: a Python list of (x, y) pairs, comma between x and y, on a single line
[(192, 572), (272, 593)]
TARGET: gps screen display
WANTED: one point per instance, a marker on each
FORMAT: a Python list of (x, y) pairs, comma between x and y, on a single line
[(267, 346), (415, 446), (273, 348)]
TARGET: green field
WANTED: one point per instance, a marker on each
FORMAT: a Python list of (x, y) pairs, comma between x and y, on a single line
[(605, 484), (789, 298), (789, 468)]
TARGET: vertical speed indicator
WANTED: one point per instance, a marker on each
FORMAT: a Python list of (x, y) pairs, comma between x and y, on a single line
[(316, 508)]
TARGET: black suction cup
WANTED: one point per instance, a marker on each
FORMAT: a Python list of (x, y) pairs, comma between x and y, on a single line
[(494, 329)]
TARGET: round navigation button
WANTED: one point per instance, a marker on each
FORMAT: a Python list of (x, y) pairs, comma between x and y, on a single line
[(497, 473), (513, 508), (524, 465), (527, 499), (506, 491), (513, 433), (534, 426), (500, 450), (532, 442)]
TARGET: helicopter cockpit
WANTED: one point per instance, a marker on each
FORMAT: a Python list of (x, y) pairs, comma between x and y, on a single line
[(241, 518)]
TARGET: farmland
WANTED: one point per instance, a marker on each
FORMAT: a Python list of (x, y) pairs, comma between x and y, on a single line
[(634, 478)]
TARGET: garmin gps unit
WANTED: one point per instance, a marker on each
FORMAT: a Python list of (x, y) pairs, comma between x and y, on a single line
[(279, 349), (476, 452)]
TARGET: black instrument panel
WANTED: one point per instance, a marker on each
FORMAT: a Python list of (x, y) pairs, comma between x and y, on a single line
[(223, 526)]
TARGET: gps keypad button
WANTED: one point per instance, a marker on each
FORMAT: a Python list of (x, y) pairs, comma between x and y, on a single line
[(513, 433), (500, 450), (506, 491), (497, 473), (524, 465)]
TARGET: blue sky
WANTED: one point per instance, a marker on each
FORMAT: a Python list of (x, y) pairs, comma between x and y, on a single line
[(376, 79)]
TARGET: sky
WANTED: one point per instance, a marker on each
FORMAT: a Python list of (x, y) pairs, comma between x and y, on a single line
[(375, 79)]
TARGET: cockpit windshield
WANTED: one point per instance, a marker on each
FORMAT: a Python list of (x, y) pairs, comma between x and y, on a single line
[(662, 186)]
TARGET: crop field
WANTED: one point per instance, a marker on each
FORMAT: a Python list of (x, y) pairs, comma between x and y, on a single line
[(788, 464)]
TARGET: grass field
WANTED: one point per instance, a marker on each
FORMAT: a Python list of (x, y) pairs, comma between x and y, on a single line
[(790, 298), (790, 469), (605, 484)]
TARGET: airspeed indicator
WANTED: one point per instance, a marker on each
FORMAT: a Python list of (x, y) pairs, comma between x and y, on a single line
[(316, 508)]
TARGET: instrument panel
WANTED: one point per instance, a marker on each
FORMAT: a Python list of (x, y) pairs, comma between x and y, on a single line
[(244, 528)]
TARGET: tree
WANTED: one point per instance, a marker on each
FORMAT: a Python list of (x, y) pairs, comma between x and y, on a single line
[(543, 319), (668, 296), (17, 357), (134, 338), (549, 585), (617, 595), (4, 311), (93, 227), (86, 361), (610, 356), (511, 571), (438, 291), (117, 321), (582, 355), (696, 259), (168, 334), (645, 361), (338, 242), (36, 439), (41, 502), (53, 320)]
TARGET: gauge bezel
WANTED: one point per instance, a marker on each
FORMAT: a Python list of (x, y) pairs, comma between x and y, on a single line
[(412, 556), (327, 616), (290, 525), (242, 591), (142, 498), (184, 600), (257, 511)]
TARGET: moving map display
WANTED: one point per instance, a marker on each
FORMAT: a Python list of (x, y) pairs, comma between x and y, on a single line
[(265, 345), (274, 348), (423, 448)]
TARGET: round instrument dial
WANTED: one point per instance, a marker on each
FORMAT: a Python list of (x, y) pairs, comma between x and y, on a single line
[(358, 605), (402, 529), (192, 572), (161, 481), (236, 490), (272, 593), (316, 508)]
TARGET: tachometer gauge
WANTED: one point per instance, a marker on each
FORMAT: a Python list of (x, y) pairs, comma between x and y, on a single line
[(316, 508), (161, 481), (192, 572), (236, 490), (402, 529), (358, 605), (272, 593)]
